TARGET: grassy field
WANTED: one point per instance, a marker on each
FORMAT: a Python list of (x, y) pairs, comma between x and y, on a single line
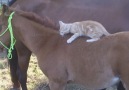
[(36, 79)]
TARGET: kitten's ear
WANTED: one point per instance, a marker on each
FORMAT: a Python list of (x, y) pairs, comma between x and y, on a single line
[(61, 23)]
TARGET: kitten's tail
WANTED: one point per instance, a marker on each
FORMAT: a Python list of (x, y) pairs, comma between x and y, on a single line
[(105, 32)]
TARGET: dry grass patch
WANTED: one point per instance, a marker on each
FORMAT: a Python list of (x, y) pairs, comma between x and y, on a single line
[(35, 76)]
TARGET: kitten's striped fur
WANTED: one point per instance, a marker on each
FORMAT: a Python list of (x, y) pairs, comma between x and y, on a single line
[(89, 28)]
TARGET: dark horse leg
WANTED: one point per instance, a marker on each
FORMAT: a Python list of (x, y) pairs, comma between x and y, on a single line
[(13, 70), (23, 62), (18, 69)]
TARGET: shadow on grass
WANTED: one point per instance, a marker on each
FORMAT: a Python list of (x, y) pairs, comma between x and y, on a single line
[(45, 86)]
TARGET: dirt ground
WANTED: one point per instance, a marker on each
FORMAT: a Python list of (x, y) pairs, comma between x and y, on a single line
[(36, 80)]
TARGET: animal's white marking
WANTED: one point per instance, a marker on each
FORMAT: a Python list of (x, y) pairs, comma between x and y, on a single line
[(115, 80), (92, 40)]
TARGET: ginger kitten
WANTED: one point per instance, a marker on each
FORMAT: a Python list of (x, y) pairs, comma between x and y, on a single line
[(89, 28)]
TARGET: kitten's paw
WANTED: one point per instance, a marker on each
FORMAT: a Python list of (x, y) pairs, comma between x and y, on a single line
[(89, 41), (69, 41), (92, 40), (61, 34)]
